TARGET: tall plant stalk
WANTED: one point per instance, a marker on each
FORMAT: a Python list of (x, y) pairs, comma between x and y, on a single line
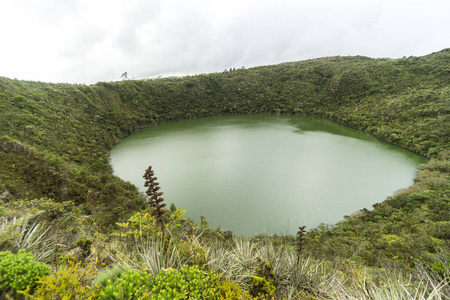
[(155, 199), (300, 241)]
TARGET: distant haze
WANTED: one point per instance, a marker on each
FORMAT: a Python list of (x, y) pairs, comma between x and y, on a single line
[(85, 41)]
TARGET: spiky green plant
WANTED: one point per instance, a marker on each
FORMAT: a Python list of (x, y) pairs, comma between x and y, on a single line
[(31, 236), (240, 260), (152, 254), (110, 274)]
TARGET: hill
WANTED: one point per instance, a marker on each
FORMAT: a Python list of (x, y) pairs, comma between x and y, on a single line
[(55, 138)]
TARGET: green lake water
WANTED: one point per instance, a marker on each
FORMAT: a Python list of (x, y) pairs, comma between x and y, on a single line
[(257, 174)]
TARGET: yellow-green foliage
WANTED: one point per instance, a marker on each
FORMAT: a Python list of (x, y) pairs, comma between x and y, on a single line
[(143, 225), (193, 253), (72, 281), (261, 287), (262, 282), (140, 225), (131, 285), (232, 291), (189, 283), (442, 269), (19, 271)]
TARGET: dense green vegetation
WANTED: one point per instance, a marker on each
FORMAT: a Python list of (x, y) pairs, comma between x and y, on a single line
[(17, 271), (55, 138)]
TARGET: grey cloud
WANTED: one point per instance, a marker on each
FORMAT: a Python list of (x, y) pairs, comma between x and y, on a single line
[(92, 41), (141, 14)]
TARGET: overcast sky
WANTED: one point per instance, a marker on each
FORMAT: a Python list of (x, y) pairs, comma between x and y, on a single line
[(86, 41)]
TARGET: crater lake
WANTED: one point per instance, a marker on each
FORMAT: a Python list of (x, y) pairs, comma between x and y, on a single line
[(265, 174)]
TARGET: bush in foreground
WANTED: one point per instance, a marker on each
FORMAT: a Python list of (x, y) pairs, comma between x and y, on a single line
[(19, 271), (189, 283)]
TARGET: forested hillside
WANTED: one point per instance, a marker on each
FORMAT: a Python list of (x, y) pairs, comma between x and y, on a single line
[(55, 138)]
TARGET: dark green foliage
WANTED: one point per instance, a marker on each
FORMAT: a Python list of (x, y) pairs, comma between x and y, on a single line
[(85, 246), (17, 271), (55, 138), (443, 269), (20, 101)]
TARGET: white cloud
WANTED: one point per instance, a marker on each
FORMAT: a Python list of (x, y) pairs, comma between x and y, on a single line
[(89, 41)]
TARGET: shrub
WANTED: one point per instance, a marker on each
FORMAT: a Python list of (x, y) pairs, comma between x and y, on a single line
[(264, 280), (143, 225), (110, 274), (189, 283), (230, 290), (20, 101), (260, 287), (19, 271), (193, 283), (131, 285), (71, 282), (85, 246)]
